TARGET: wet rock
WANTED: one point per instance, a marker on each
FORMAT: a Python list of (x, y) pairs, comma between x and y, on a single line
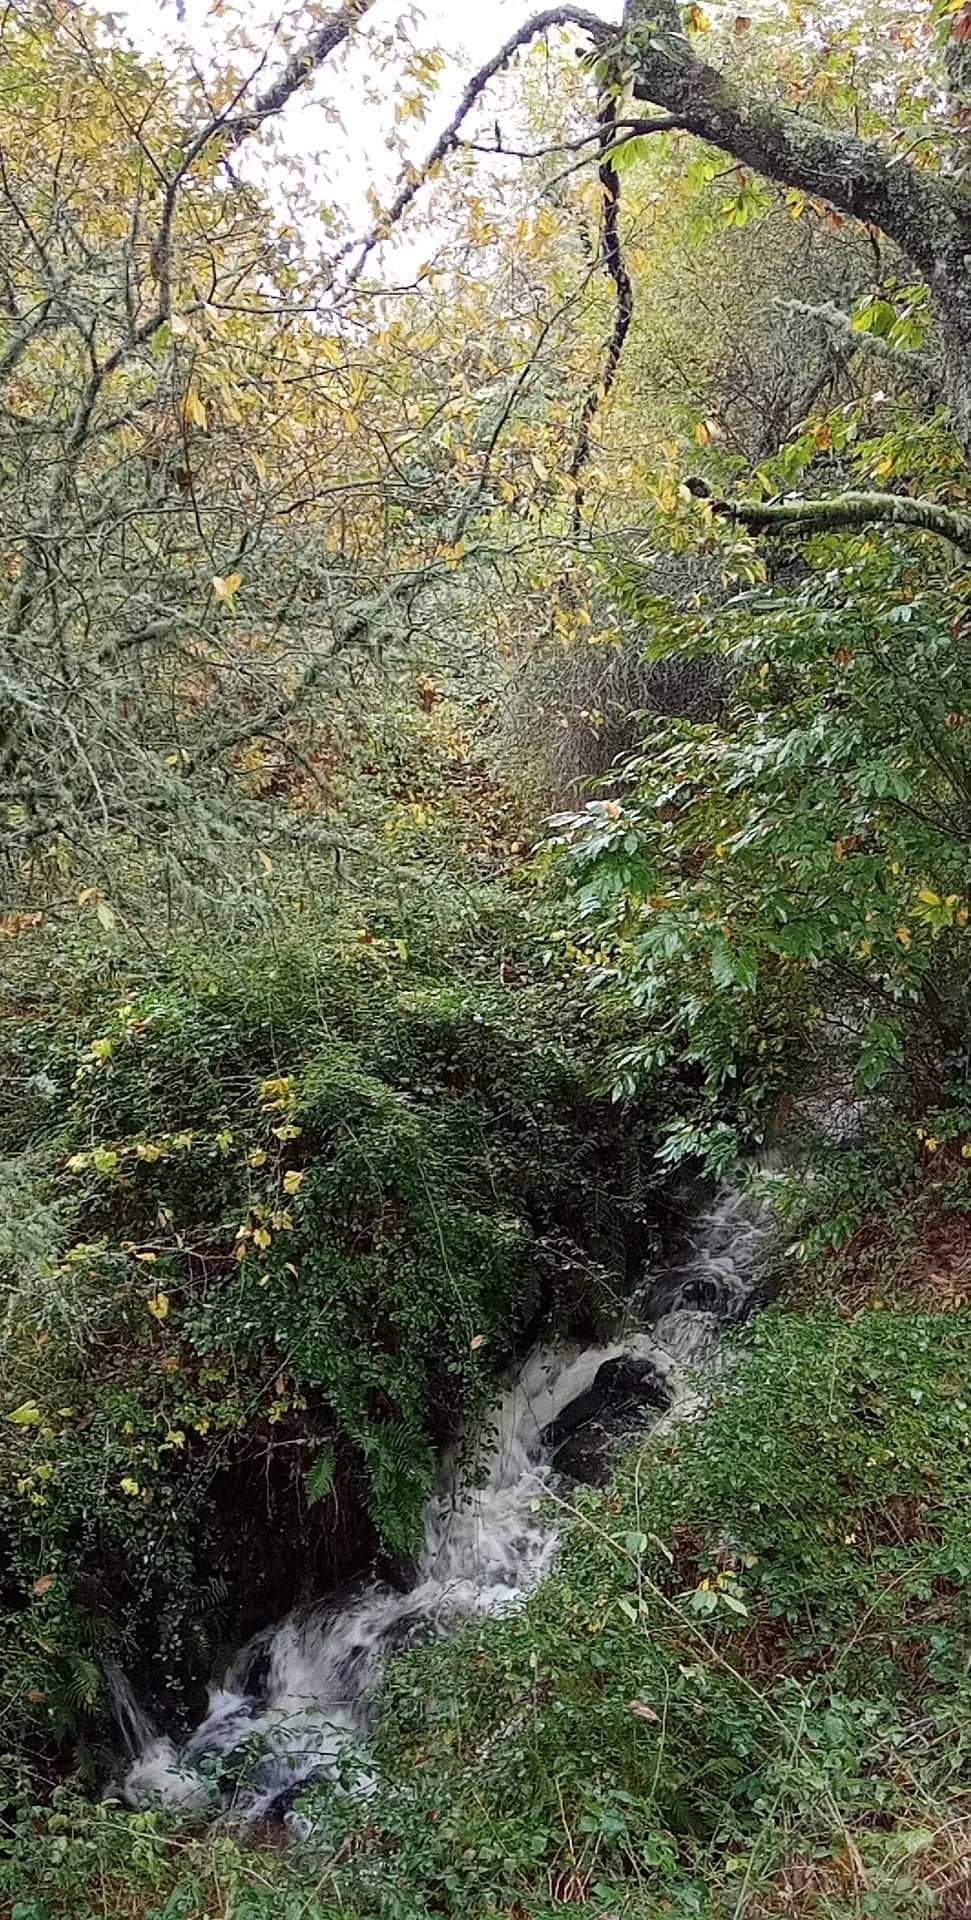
[(279, 1811), (584, 1438)]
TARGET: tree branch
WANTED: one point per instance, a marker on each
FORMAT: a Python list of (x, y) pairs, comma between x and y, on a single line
[(322, 43), (612, 255), (926, 214), (844, 512), (913, 364), (929, 217), (566, 16)]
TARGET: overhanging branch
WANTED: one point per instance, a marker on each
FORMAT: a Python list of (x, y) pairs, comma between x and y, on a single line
[(842, 513), (596, 29), (928, 216)]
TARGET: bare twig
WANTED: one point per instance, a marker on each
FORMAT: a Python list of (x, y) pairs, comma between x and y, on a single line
[(566, 16), (613, 259)]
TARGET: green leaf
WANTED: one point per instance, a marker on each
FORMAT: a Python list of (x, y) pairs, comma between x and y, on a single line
[(627, 153), (730, 968), (879, 318), (734, 1604), (320, 1478)]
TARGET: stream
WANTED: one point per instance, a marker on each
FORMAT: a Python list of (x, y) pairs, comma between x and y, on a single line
[(298, 1699)]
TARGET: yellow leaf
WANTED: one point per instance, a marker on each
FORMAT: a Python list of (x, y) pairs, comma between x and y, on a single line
[(292, 1182), (158, 1306), (129, 1486), (194, 409), (262, 1237), (27, 1415), (225, 588), (257, 1158), (929, 898), (905, 936)]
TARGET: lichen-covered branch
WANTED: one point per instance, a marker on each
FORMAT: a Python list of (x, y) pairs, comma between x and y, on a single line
[(841, 513), (927, 215), (913, 365)]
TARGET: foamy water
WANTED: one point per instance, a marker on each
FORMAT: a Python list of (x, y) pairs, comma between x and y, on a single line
[(296, 1703)]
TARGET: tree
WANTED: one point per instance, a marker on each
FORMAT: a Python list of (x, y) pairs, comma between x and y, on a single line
[(919, 201), (235, 470), (179, 441)]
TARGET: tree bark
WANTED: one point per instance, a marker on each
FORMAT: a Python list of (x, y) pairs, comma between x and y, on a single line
[(927, 216), (844, 512)]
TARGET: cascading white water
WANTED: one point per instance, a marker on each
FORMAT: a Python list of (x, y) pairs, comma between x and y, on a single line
[(298, 1697)]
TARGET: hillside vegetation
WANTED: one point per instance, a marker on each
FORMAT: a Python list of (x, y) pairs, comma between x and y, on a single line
[(485, 762)]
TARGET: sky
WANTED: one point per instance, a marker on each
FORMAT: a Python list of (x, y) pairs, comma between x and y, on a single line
[(342, 125)]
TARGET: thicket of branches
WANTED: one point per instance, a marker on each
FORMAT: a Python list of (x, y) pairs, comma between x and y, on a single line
[(626, 438)]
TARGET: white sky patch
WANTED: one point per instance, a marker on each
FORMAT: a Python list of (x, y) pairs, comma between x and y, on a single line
[(341, 129)]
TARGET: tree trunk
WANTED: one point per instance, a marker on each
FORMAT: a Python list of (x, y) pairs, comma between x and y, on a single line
[(927, 216)]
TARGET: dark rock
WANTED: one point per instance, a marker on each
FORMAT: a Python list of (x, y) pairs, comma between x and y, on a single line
[(583, 1440)]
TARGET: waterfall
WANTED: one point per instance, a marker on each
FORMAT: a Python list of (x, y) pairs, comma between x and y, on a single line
[(297, 1700)]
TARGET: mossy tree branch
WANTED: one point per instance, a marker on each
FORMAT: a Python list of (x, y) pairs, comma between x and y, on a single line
[(927, 215), (841, 513)]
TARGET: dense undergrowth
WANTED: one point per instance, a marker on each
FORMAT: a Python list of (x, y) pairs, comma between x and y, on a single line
[(294, 1166), (274, 1215), (744, 1689)]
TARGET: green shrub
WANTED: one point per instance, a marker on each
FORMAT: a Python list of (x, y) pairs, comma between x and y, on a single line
[(287, 1217), (782, 898)]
